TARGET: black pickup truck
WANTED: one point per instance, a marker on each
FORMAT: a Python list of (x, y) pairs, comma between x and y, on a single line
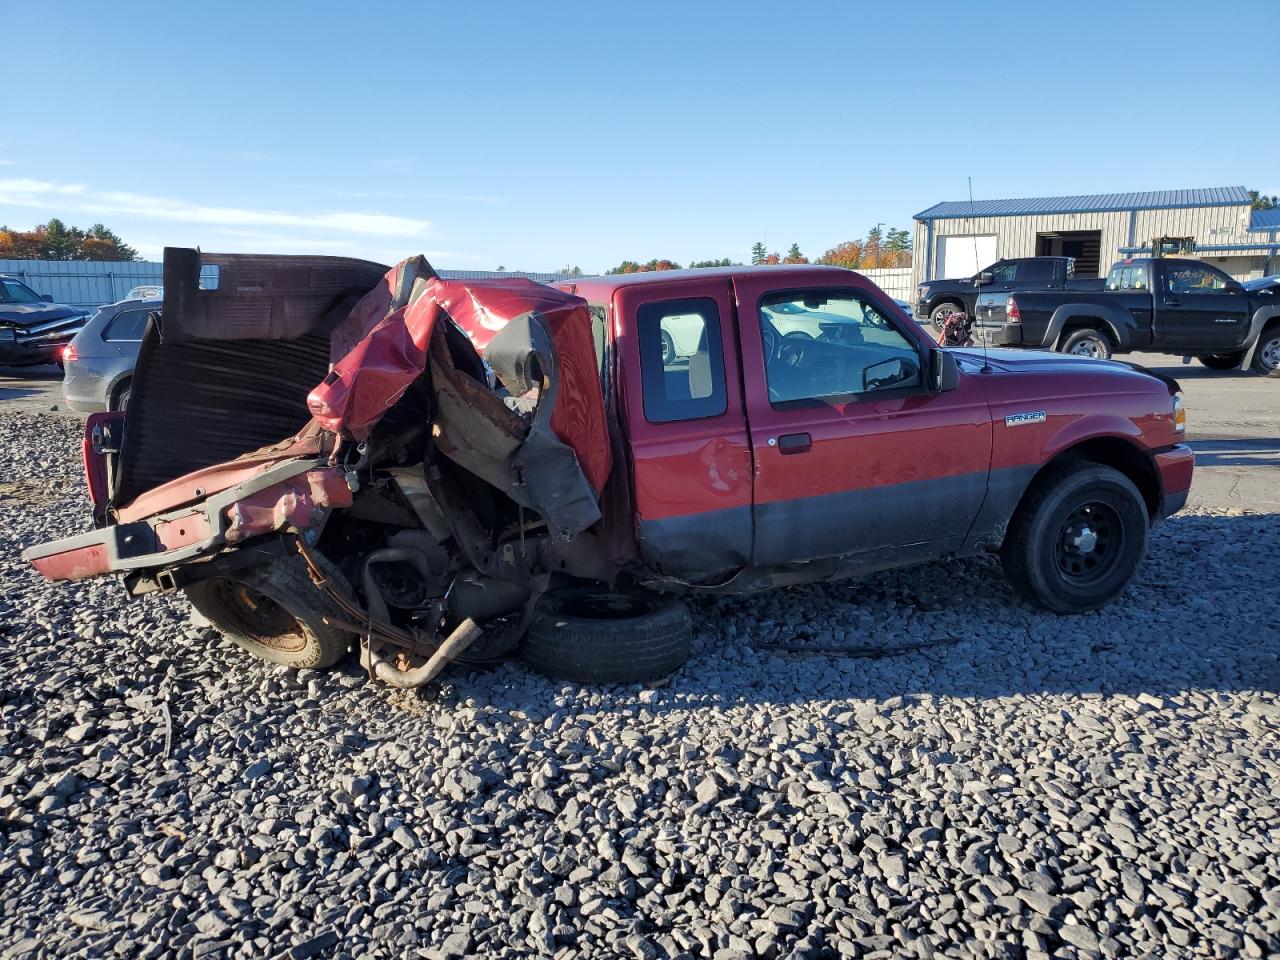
[(1182, 307), (936, 299)]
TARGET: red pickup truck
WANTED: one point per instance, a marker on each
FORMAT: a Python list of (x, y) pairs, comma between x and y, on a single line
[(323, 454)]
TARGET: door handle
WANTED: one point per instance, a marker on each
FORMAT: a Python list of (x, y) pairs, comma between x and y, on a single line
[(794, 443)]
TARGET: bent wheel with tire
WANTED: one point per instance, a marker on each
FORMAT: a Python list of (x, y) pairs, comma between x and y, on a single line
[(275, 612), (594, 635), (1222, 361), (1077, 539), (1266, 357), (668, 349), (1087, 343)]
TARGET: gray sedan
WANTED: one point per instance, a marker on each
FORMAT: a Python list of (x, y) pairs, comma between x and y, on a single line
[(99, 360)]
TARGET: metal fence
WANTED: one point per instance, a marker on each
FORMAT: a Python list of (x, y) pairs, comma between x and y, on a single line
[(91, 283), (895, 281)]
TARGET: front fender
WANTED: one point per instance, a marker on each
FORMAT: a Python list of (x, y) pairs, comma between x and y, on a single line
[(1120, 328), (1261, 317)]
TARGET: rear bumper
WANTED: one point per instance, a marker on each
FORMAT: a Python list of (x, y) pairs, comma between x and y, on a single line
[(1007, 335), (295, 493), (1176, 466)]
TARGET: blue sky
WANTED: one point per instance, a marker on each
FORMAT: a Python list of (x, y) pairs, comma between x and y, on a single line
[(535, 136)]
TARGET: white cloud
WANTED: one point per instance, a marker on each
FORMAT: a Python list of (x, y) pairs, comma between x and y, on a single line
[(164, 208), (26, 192)]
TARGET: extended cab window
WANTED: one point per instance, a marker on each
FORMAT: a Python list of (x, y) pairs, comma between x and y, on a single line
[(832, 344), (1035, 271), (681, 360), (1193, 279), (1129, 276)]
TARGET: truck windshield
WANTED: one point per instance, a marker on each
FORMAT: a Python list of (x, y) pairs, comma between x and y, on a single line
[(11, 291), (1129, 276)]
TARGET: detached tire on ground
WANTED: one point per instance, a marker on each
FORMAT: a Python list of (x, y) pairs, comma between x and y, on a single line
[(1077, 539), (592, 635), (275, 612), (1087, 343)]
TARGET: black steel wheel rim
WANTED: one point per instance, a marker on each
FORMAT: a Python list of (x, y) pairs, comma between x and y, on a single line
[(1089, 544)]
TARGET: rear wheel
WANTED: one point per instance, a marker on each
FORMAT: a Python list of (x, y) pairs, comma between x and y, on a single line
[(120, 399), (595, 635), (1266, 358), (1087, 342), (938, 315), (1077, 539), (1222, 361), (668, 349), (274, 612)]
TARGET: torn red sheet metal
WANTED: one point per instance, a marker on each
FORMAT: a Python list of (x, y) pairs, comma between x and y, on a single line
[(297, 502), (394, 322)]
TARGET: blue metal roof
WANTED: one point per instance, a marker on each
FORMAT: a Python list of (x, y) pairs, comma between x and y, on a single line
[(1265, 220), (1092, 203)]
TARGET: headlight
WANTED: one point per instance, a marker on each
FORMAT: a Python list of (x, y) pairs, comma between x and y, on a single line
[(1179, 414)]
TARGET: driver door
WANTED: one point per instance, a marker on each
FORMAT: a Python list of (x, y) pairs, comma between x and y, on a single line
[(852, 453)]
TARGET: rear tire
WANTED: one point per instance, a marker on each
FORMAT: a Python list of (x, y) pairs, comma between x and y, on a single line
[(1222, 361), (594, 635), (1266, 356), (939, 314), (1077, 538), (668, 349), (1087, 342), (120, 399), (275, 612)]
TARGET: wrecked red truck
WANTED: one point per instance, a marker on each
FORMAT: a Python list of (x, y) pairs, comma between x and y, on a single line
[(324, 454)]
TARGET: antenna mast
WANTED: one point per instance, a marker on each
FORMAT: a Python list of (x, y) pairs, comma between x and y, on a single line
[(986, 363)]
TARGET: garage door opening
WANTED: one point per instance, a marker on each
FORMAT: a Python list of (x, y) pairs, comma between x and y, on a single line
[(963, 256), (1084, 245)]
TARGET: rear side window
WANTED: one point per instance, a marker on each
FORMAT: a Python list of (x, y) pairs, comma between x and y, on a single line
[(126, 326), (1035, 271), (1129, 276), (681, 360)]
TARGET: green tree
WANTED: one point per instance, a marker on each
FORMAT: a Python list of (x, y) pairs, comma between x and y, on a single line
[(1261, 201), (60, 241), (569, 271), (726, 262), (897, 241), (102, 244), (758, 253), (794, 255)]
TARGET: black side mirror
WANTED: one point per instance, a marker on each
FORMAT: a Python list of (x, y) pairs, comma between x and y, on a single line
[(944, 372), (983, 279), (1234, 287), (47, 297)]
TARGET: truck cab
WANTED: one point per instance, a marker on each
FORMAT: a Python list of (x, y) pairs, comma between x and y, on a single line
[(483, 452)]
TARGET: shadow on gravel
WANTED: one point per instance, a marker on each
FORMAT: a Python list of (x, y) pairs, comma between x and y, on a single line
[(10, 393), (1203, 615), (1259, 452)]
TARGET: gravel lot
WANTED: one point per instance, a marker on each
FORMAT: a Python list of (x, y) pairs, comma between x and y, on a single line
[(880, 769)]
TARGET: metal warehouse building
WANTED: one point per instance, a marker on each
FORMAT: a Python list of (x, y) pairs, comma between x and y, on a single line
[(958, 237)]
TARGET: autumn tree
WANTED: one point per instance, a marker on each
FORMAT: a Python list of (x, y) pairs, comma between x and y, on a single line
[(758, 253), (631, 266), (57, 241), (772, 259), (847, 255)]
